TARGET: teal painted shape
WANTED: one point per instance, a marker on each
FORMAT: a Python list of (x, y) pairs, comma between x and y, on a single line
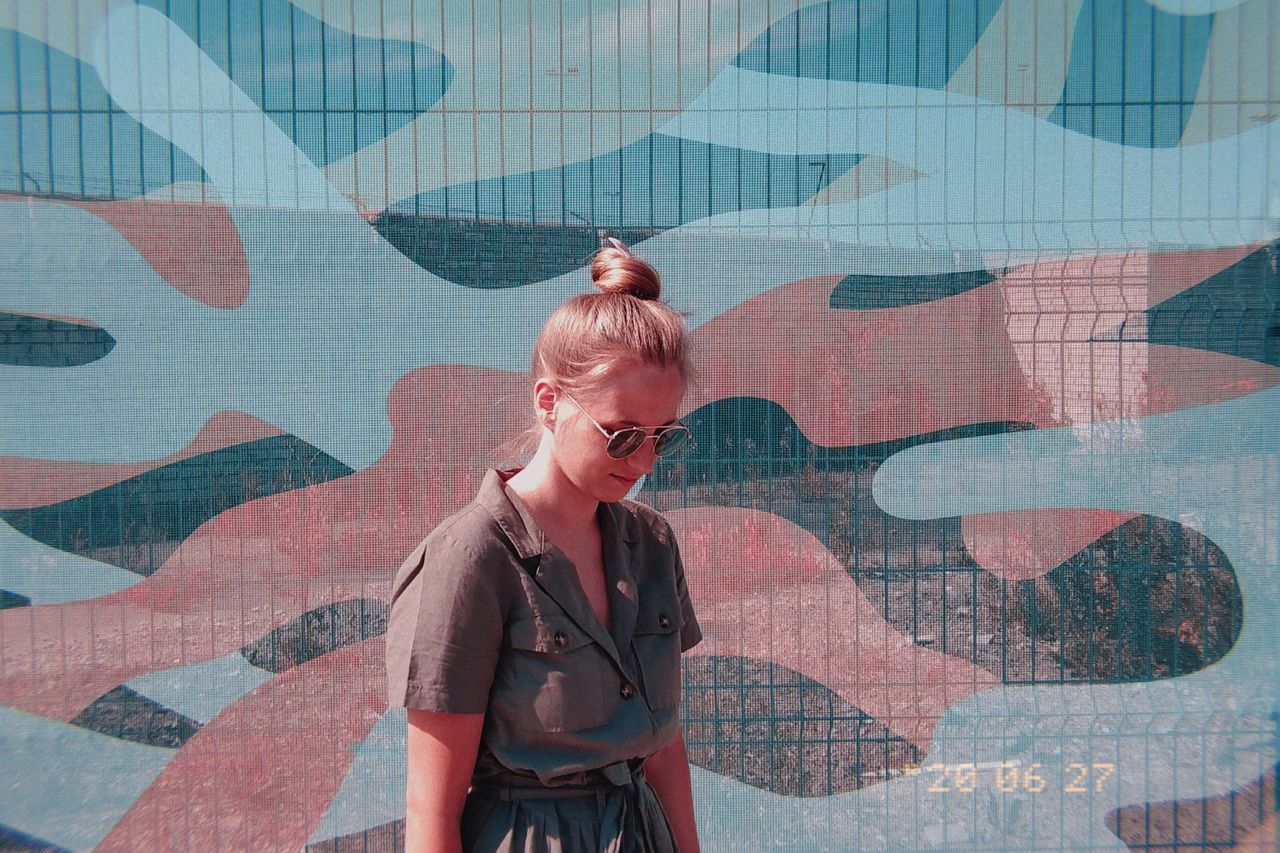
[(169, 503), (521, 228), (373, 791), (11, 839), (992, 178), (317, 632), (67, 785), (1235, 311), (45, 575), (307, 310), (127, 715), (902, 42), (1133, 74), (744, 439), (333, 92), (42, 342), (872, 292), (1183, 738), (655, 183), (199, 691), (62, 134)]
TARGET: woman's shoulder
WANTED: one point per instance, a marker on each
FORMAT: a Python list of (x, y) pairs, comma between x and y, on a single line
[(471, 531)]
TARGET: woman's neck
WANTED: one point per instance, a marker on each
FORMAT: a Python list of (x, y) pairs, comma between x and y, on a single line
[(554, 501)]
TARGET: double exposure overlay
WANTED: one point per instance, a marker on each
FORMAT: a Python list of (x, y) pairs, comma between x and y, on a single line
[(981, 518)]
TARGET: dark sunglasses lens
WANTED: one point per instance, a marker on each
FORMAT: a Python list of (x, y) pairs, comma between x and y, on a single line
[(670, 440), (625, 442)]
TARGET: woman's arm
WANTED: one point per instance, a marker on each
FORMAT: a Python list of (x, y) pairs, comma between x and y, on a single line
[(441, 754), (668, 772)]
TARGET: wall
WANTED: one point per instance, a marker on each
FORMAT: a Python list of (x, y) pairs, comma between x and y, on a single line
[(981, 518)]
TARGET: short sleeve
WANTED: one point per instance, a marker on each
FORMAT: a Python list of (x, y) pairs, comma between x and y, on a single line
[(690, 630), (444, 632)]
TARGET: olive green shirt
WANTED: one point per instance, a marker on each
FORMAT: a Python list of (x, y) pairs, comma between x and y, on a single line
[(488, 616)]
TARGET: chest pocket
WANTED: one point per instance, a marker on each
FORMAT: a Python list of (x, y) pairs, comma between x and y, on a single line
[(657, 647), (556, 676)]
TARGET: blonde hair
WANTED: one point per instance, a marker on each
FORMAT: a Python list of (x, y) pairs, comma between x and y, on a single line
[(588, 337)]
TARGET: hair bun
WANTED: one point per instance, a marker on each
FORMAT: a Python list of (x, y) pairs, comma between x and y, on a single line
[(616, 270)]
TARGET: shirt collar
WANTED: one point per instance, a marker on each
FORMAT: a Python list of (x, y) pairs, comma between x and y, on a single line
[(511, 514), (515, 520)]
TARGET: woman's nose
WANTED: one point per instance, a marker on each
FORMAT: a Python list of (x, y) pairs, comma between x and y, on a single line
[(642, 461)]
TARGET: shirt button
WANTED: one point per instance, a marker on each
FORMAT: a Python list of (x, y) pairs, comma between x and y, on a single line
[(664, 621), (561, 638), (627, 690)]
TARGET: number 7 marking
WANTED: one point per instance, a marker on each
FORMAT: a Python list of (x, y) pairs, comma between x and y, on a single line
[(1107, 769)]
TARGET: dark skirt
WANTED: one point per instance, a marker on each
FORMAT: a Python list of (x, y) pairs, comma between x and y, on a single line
[(517, 819)]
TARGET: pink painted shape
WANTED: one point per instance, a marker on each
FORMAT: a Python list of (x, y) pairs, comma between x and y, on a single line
[(858, 377), (779, 595), (894, 372), (260, 775), (260, 564), (193, 246), (1173, 272), (1023, 545), (39, 482), (1055, 312)]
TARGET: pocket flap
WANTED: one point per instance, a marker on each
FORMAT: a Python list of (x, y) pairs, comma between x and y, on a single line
[(548, 636), (658, 617)]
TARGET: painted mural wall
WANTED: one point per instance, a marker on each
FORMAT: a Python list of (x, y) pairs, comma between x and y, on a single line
[(982, 516)]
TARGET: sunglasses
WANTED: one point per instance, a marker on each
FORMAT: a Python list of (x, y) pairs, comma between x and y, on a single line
[(621, 443)]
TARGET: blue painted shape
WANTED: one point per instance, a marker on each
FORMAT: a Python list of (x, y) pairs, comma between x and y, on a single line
[(1133, 73), (199, 691), (41, 342), (125, 714), (760, 722), (992, 177), (913, 43), (137, 518), (518, 229), (75, 784), (12, 839), (1118, 607), (333, 92), (12, 599), (241, 358), (42, 574), (1235, 311), (742, 440), (871, 292), (317, 632), (1217, 462), (493, 255), (373, 791), (69, 136)]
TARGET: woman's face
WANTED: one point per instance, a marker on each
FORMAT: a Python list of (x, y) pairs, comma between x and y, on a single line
[(636, 395)]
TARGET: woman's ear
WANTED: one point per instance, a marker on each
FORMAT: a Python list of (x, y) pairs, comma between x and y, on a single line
[(544, 402)]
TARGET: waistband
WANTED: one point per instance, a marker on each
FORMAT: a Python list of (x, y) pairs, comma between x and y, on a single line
[(618, 777)]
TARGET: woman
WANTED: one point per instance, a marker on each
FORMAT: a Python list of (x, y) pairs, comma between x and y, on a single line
[(535, 636)]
